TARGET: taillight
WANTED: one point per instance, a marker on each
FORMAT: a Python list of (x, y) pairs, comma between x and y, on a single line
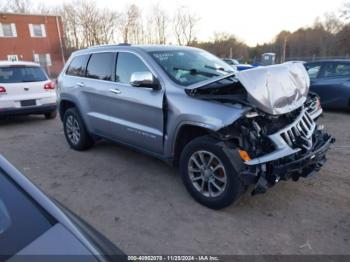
[(50, 86), (2, 90)]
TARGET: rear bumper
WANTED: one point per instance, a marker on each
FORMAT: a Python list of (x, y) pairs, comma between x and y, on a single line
[(42, 109), (293, 167)]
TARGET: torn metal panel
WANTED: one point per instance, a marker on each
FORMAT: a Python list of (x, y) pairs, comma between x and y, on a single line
[(276, 89)]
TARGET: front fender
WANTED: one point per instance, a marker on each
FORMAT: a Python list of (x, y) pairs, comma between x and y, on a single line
[(210, 115)]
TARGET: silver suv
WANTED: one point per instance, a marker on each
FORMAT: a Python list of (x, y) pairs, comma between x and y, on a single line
[(224, 130)]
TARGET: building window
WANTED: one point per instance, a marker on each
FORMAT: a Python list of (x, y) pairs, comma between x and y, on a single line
[(12, 58), (43, 59), (37, 30), (8, 30)]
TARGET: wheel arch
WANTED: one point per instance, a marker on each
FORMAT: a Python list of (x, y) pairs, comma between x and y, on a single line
[(64, 105), (186, 133)]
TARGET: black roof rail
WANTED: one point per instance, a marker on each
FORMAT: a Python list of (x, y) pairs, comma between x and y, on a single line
[(123, 44)]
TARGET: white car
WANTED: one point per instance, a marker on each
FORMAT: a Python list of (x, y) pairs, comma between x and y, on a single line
[(26, 89)]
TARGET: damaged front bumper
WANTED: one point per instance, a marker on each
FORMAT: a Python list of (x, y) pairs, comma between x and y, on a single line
[(300, 164)]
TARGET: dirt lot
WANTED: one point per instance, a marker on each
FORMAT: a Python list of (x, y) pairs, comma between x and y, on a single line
[(140, 204)]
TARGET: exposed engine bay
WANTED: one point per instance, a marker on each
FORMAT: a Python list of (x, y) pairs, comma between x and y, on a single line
[(278, 135)]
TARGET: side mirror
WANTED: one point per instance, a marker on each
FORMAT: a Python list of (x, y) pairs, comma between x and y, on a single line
[(144, 79)]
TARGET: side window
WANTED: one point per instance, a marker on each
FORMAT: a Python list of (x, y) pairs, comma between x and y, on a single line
[(101, 66), (337, 70), (127, 64), (313, 70), (78, 66)]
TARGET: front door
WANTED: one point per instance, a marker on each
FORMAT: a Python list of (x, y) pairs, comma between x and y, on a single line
[(137, 115)]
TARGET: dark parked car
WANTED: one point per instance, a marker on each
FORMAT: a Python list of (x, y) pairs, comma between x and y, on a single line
[(331, 81), (32, 226), (235, 64)]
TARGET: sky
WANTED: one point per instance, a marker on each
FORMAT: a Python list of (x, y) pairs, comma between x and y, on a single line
[(252, 21)]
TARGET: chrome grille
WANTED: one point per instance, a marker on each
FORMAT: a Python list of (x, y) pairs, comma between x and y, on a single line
[(298, 134)]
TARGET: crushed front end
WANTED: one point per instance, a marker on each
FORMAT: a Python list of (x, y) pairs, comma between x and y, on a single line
[(282, 147), (277, 138)]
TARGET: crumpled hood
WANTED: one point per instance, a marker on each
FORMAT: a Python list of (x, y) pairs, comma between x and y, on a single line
[(276, 89)]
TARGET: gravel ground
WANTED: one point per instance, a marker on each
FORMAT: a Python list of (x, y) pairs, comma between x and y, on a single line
[(141, 205)]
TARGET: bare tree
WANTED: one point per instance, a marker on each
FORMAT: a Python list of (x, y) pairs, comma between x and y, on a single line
[(156, 26), (71, 25), (4, 7), (26, 7), (131, 25), (345, 12), (160, 22), (19, 6), (85, 24), (88, 17), (331, 23), (184, 26), (107, 25), (225, 45)]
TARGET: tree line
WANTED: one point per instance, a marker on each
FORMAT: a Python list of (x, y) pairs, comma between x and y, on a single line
[(329, 36), (85, 24)]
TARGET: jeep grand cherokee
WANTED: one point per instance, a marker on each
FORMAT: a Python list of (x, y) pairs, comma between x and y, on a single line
[(224, 130)]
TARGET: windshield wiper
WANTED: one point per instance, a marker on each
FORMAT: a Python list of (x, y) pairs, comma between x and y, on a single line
[(218, 68), (194, 71)]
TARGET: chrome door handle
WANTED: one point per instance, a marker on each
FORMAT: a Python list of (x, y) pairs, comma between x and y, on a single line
[(115, 91), (80, 84)]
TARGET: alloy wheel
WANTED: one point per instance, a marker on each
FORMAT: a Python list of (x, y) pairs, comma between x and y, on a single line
[(207, 173), (73, 129)]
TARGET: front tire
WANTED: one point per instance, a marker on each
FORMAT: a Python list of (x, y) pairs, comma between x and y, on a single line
[(75, 131), (208, 173)]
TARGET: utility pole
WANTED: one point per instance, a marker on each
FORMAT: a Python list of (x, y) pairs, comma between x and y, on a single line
[(283, 58)]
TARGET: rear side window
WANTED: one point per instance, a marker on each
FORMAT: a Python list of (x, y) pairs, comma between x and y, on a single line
[(101, 66), (78, 66), (128, 64), (337, 70), (21, 74)]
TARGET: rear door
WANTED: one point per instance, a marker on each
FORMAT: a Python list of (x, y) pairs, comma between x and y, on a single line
[(99, 101), (136, 112)]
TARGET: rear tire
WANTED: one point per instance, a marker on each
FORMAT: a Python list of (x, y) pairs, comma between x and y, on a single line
[(51, 115), (202, 160), (75, 131)]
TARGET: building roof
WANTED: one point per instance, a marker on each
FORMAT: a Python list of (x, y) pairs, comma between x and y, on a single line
[(28, 14)]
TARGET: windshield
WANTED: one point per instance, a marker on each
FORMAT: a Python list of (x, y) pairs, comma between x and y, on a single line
[(21, 219), (187, 67), (20, 74)]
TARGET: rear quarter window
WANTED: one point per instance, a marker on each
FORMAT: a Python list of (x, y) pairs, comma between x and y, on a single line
[(78, 66), (337, 70)]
